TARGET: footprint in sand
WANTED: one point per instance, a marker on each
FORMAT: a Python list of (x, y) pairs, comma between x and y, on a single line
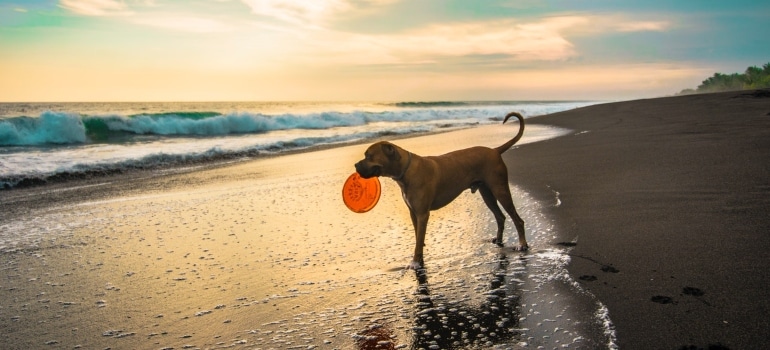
[(696, 292), (662, 299)]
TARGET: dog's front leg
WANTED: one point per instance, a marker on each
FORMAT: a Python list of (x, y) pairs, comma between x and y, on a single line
[(420, 223)]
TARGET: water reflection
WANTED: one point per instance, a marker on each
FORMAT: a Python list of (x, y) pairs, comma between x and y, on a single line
[(444, 324)]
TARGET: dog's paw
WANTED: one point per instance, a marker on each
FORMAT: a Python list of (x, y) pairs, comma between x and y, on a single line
[(414, 265), (522, 248), (498, 242)]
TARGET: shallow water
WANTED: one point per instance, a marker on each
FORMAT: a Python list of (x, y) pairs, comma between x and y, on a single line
[(266, 256)]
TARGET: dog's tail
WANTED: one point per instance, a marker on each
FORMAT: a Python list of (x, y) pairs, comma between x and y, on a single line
[(504, 147)]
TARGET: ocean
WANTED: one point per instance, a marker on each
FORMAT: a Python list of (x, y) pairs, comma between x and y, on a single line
[(41, 142)]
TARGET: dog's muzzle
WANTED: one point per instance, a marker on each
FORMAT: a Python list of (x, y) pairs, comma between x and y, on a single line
[(367, 171)]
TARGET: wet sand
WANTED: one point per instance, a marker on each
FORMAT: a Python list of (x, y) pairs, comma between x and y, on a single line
[(263, 254), (667, 201)]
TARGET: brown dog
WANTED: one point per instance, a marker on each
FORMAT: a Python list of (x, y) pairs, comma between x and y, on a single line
[(429, 183)]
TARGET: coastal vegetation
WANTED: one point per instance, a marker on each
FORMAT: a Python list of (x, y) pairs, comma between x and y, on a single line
[(753, 78)]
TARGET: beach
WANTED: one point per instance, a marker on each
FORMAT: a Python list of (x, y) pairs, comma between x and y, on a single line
[(667, 201), (647, 222)]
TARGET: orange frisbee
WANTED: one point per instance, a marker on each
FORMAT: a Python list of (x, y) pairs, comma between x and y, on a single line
[(361, 195)]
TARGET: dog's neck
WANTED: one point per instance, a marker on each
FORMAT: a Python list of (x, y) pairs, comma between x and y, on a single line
[(408, 162)]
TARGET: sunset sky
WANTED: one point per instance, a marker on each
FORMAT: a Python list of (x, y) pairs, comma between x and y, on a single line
[(372, 50)]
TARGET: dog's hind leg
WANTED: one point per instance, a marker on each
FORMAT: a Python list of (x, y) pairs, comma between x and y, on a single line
[(491, 202), (503, 195)]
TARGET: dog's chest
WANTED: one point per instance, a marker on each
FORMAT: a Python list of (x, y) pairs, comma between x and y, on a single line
[(405, 197), (406, 200)]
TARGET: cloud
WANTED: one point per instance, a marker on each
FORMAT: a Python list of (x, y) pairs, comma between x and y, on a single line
[(654, 26), (96, 7), (540, 41), (506, 40), (183, 23), (311, 13), (623, 23), (499, 41), (295, 11), (177, 22)]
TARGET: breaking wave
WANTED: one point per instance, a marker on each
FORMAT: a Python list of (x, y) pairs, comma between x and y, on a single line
[(66, 144), (61, 128), (49, 128), (68, 128)]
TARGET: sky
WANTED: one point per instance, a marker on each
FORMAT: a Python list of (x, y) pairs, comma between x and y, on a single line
[(372, 50)]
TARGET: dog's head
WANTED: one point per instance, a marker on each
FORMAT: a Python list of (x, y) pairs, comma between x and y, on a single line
[(380, 159)]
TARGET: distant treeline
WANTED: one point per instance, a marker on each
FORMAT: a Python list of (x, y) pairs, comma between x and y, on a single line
[(753, 78)]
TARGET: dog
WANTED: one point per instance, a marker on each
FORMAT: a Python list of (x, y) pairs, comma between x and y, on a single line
[(430, 183)]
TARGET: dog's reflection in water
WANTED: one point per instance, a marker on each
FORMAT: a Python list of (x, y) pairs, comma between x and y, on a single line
[(442, 324), (445, 324)]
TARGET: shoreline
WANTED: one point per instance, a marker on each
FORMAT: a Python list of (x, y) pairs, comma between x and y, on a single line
[(71, 182), (154, 178)]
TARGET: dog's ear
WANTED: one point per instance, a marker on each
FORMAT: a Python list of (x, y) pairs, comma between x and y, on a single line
[(390, 151)]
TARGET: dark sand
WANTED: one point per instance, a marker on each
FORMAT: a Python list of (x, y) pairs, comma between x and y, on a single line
[(668, 201)]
